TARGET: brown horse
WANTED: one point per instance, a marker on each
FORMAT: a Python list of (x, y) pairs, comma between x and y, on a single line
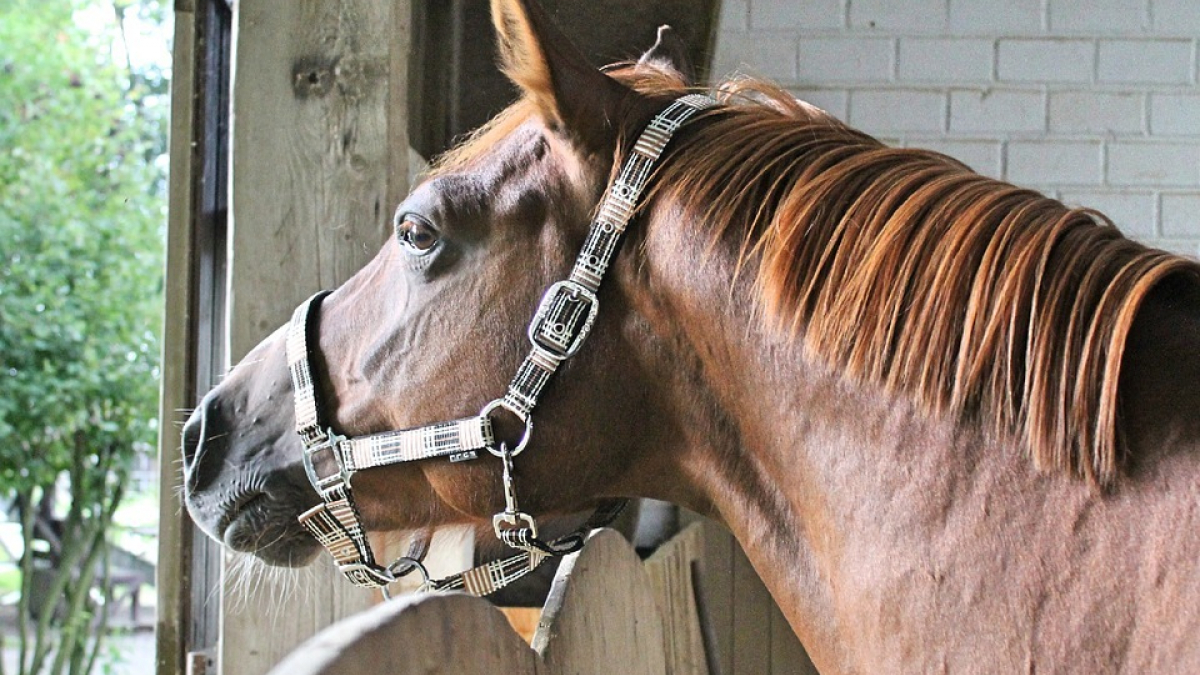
[(955, 424)]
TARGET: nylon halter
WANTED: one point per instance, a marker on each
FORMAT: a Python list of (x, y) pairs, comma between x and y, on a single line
[(559, 327)]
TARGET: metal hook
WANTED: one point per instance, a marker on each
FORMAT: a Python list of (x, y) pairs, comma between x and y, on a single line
[(512, 516)]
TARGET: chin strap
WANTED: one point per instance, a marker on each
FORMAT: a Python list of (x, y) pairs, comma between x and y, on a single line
[(559, 327)]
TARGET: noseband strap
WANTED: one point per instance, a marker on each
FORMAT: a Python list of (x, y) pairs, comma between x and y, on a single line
[(559, 327)]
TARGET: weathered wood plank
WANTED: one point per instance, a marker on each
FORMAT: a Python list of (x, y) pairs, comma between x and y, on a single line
[(311, 159), (319, 155), (745, 632), (714, 593), (416, 635), (175, 389), (601, 616), (670, 570), (751, 618)]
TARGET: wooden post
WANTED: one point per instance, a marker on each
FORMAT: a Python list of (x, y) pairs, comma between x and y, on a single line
[(176, 389), (320, 158), (744, 631)]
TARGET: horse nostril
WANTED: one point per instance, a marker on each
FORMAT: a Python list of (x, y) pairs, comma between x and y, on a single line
[(193, 435), (203, 435)]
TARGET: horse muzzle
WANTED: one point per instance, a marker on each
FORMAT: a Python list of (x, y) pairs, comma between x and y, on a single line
[(241, 489)]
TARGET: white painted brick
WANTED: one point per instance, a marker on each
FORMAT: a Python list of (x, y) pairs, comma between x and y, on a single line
[(1181, 17), (1096, 112), (1184, 247), (989, 17), (909, 15), (893, 110), (1094, 100), (769, 56), (734, 16), (981, 155), (789, 14), (1142, 163), (1045, 60), (945, 60), (997, 110), (1151, 61), (1133, 212), (845, 60), (836, 102), (1039, 163), (1175, 114), (1098, 16), (1181, 215)]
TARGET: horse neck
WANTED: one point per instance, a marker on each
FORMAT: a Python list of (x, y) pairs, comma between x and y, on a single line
[(842, 493)]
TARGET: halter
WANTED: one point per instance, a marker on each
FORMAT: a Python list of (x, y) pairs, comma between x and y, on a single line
[(560, 325)]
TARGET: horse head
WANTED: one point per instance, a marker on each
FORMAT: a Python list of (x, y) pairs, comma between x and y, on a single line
[(434, 327)]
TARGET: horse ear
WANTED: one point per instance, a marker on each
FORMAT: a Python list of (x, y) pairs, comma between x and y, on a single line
[(573, 97), (670, 52)]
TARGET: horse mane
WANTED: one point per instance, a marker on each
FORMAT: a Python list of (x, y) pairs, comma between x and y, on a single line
[(905, 269)]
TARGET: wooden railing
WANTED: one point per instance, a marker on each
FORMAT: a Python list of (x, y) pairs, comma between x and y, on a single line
[(608, 612)]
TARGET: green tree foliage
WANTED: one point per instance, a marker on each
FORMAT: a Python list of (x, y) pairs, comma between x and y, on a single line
[(82, 210)]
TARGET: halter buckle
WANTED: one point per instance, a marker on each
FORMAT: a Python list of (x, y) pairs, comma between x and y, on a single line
[(563, 320), (326, 485)]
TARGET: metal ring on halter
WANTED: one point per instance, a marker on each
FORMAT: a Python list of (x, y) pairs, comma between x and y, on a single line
[(524, 417), (407, 564)]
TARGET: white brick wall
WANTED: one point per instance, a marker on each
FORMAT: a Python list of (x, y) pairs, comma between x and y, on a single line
[(1094, 102)]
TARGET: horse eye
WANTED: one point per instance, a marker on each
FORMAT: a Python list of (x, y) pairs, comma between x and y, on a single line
[(416, 234)]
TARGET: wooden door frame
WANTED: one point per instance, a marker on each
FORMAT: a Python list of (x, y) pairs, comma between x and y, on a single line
[(193, 353)]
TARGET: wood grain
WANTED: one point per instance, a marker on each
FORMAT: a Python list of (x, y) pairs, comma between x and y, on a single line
[(671, 573), (745, 632), (607, 613), (417, 635), (601, 616), (176, 388), (318, 156)]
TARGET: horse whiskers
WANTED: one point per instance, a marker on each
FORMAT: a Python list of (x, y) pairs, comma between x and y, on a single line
[(253, 585)]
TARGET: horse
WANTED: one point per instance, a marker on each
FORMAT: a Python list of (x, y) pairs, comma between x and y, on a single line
[(954, 424)]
